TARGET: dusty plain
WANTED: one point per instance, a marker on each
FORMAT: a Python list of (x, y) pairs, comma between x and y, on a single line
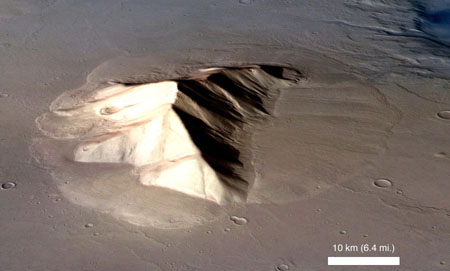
[(356, 152)]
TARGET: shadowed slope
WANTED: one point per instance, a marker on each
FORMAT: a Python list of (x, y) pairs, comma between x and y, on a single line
[(220, 110), (191, 135)]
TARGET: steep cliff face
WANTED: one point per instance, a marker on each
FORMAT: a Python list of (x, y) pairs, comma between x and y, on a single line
[(191, 135)]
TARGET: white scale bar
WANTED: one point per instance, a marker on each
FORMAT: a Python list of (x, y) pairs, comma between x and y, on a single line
[(363, 260)]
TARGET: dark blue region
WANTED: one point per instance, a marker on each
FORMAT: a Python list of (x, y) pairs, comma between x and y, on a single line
[(434, 19)]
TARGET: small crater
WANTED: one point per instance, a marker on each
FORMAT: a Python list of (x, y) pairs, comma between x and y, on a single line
[(382, 183), (440, 154), (239, 220), (109, 110), (245, 1), (3, 95), (445, 114), (282, 267), (343, 232), (8, 185), (89, 225)]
